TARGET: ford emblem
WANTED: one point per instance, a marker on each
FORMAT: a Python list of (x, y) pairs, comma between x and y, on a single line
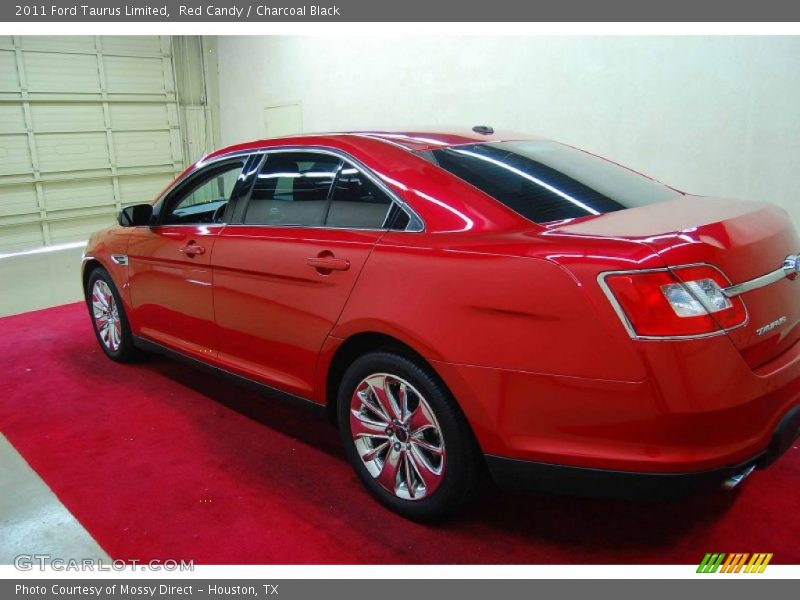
[(791, 266)]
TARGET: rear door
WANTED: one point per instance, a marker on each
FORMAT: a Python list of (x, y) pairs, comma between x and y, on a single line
[(169, 262), (282, 276)]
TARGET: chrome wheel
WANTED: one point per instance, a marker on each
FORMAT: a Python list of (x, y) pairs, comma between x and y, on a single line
[(397, 436), (106, 315)]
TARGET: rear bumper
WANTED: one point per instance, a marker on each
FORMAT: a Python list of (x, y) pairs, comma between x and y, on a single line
[(787, 432), (700, 408), (602, 483), (630, 485)]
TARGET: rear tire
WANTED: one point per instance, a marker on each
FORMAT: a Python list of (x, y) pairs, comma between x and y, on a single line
[(406, 437), (109, 321)]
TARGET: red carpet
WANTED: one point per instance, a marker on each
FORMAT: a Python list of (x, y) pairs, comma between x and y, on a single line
[(159, 461)]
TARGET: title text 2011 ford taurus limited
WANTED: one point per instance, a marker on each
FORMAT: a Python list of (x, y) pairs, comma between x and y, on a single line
[(466, 300)]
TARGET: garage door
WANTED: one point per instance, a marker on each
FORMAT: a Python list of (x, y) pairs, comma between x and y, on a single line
[(87, 125)]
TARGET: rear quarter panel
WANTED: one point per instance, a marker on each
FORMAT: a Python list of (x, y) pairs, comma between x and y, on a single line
[(482, 304), (505, 306)]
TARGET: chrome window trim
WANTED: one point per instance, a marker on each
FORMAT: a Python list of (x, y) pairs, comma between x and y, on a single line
[(601, 280), (787, 271), (404, 206), (161, 198), (325, 227)]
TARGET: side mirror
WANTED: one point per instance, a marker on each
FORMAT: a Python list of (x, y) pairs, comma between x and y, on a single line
[(136, 215)]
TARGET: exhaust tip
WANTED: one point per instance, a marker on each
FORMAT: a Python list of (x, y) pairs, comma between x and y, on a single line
[(734, 481)]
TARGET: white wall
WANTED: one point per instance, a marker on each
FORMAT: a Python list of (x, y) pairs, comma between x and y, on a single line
[(711, 115)]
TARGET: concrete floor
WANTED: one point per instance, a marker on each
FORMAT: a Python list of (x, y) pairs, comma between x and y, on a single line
[(33, 520), (30, 281)]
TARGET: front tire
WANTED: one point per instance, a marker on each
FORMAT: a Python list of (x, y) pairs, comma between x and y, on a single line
[(109, 320), (406, 437)]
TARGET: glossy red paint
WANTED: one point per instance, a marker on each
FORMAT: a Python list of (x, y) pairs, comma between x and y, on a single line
[(170, 287), (274, 310), (509, 314)]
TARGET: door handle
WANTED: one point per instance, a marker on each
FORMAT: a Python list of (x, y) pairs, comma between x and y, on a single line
[(327, 263), (192, 249)]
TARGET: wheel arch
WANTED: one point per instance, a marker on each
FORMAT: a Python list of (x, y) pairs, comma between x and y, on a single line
[(89, 265), (358, 345), (118, 275), (364, 342)]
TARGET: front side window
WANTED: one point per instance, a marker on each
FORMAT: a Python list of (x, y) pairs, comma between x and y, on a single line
[(205, 198), (546, 181), (292, 188)]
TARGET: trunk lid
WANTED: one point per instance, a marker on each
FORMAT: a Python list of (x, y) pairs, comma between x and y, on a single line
[(744, 239)]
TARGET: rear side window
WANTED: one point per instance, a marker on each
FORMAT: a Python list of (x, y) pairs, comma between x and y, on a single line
[(313, 189), (292, 188), (357, 202), (547, 181)]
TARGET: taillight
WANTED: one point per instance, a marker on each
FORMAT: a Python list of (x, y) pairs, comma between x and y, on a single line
[(684, 301)]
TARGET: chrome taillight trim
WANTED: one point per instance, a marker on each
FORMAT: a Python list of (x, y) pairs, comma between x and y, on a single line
[(601, 281)]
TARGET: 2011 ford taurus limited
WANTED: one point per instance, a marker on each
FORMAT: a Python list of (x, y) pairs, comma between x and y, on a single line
[(465, 302)]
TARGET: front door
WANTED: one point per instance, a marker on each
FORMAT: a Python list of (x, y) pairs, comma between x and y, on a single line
[(169, 262)]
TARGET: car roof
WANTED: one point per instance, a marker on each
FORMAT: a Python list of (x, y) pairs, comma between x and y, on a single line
[(428, 139), (416, 140), (391, 155)]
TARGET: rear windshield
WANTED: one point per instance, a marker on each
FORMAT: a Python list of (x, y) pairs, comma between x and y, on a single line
[(547, 181)]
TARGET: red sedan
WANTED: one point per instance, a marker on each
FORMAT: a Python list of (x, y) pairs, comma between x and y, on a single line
[(465, 303)]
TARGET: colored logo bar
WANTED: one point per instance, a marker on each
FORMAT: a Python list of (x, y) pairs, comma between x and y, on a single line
[(734, 562)]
